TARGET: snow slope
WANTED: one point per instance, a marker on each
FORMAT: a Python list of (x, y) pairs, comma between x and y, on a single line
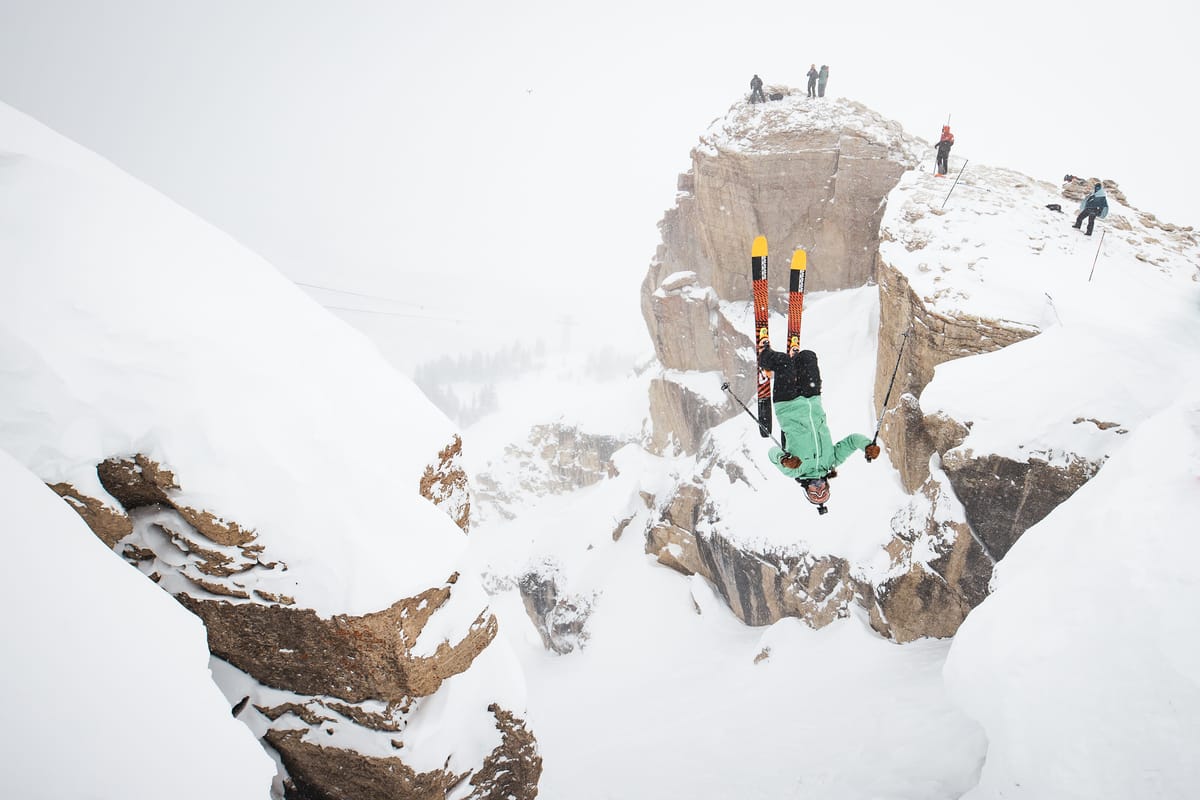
[(129, 326), (1082, 665), (98, 705), (1111, 337), (1080, 669)]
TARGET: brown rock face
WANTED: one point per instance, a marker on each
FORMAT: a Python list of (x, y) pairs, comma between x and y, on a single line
[(138, 482), (933, 339), (681, 417), (1000, 498), (760, 587), (815, 183), (510, 772), (446, 485), (106, 522), (356, 672), (560, 619), (329, 773), (930, 597), (803, 180), (353, 658), (1004, 498)]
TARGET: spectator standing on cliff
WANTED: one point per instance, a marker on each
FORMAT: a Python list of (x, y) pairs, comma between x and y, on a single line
[(812, 80), (756, 92), (943, 152), (822, 79), (1092, 206)]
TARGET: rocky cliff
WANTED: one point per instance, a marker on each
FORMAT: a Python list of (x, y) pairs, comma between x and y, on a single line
[(959, 276), (329, 695), (806, 175)]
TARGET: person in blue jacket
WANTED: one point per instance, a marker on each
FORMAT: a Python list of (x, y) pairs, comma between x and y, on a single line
[(1092, 206), (811, 455)]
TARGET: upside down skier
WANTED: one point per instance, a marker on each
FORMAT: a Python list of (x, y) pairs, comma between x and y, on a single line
[(811, 455)]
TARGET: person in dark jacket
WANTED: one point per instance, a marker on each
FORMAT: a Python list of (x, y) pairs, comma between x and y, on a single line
[(822, 79), (943, 152), (811, 455), (756, 92), (812, 80), (1092, 206)]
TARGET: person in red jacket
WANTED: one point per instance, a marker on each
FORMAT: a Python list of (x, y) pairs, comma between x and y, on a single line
[(943, 152)]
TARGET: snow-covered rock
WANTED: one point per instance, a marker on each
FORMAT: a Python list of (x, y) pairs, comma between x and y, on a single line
[(259, 460), (1085, 654), (973, 278), (110, 692)]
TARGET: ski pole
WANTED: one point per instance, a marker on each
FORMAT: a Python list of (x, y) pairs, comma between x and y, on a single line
[(891, 383), (1093, 272), (761, 427), (956, 177)]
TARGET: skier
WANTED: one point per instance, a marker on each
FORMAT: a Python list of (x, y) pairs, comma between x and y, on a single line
[(812, 80), (822, 79), (811, 455), (1092, 206), (756, 92), (943, 153)]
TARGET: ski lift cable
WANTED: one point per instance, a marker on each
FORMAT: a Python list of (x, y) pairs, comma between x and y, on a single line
[(431, 315), (397, 314), (357, 294)]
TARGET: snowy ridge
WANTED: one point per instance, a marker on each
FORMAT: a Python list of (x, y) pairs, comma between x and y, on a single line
[(1106, 351), (765, 127), (169, 339), (139, 331), (1110, 335), (1089, 635), (89, 675), (129, 327)]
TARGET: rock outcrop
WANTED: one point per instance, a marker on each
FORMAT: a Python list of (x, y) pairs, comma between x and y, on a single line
[(928, 338), (760, 586), (556, 459), (560, 617), (446, 485), (938, 570), (326, 676), (839, 181), (802, 175)]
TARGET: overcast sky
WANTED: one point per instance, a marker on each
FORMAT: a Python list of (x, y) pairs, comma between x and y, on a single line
[(410, 149)]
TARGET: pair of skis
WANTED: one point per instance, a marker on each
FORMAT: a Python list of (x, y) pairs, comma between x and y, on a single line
[(762, 313)]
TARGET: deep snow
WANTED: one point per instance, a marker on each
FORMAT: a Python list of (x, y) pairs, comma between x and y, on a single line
[(128, 327)]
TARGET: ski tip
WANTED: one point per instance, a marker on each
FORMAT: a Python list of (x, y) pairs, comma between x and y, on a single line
[(759, 248), (800, 260)]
